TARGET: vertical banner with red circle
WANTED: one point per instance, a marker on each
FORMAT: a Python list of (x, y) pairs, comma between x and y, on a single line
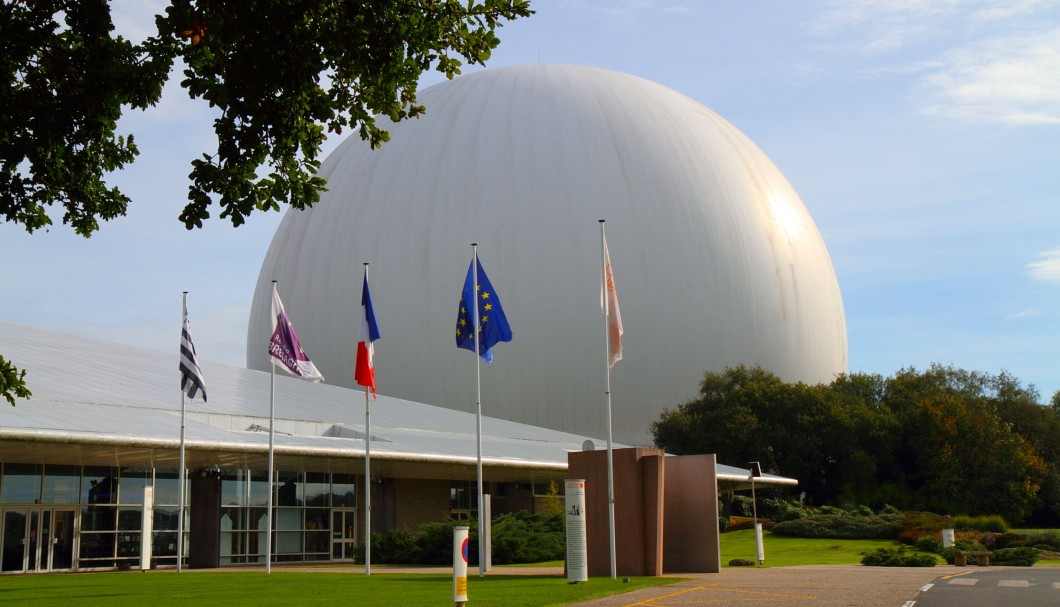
[(460, 554)]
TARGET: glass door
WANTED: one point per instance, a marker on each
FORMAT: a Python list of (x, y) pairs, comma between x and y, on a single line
[(61, 544), (343, 534), (14, 540), (37, 539)]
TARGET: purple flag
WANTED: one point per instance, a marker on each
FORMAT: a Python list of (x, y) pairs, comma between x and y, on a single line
[(284, 345)]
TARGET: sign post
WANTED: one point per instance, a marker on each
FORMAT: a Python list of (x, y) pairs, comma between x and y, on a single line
[(460, 553), (577, 552)]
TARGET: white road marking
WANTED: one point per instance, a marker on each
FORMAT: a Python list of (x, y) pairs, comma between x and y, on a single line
[(964, 581), (926, 587), (1014, 584), (910, 603)]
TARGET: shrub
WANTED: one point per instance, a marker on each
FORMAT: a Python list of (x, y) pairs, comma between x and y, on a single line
[(840, 527), (525, 538), (961, 545), (992, 523), (1042, 541), (897, 557), (997, 541), (517, 538), (723, 524), (860, 510), (1015, 557), (927, 522), (783, 510), (889, 509), (830, 511), (396, 546), (928, 543)]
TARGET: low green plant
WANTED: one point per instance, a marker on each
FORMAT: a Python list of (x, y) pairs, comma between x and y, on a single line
[(1041, 540), (782, 510), (1015, 557), (840, 526), (517, 538), (525, 538), (897, 556), (961, 546), (992, 523), (928, 543)]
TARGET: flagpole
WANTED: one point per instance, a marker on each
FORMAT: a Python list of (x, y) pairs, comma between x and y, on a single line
[(478, 409), (272, 473), (607, 366), (180, 470), (367, 472)]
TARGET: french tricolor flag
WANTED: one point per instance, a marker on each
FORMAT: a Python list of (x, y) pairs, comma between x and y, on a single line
[(364, 372)]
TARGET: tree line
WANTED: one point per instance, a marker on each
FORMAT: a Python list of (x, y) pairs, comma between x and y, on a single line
[(944, 439)]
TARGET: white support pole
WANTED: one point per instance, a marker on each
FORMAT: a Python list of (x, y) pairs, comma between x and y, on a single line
[(272, 468), (181, 474), (478, 408), (610, 463), (367, 487)]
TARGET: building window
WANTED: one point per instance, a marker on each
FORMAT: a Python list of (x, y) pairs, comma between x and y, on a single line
[(20, 484)]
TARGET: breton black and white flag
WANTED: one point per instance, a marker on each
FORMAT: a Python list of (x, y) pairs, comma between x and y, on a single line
[(191, 381)]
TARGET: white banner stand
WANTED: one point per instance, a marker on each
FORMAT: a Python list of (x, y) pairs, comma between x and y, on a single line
[(577, 551)]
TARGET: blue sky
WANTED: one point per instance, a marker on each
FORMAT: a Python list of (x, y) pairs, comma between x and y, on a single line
[(923, 137)]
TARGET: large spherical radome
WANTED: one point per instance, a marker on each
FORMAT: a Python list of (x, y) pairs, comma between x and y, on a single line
[(716, 260)]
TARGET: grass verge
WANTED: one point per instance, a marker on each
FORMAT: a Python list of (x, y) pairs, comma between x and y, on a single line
[(783, 551), (255, 589)]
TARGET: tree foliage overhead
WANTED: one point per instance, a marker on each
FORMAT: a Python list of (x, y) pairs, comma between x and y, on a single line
[(281, 74), (943, 439)]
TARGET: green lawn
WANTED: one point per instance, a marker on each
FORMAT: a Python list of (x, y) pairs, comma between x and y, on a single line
[(287, 588), (782, 551)]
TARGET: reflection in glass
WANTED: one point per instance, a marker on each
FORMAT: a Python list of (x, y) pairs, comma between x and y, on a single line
[(99, 485), (61, 484), (167, 487), (98, 518), (317, 490), (130, 519), (289, 489), (131, 487), (343, 491), (20, 484)]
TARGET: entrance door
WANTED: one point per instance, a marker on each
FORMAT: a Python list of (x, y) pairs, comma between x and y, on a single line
[(15, 533), (61, 541), (37, 539), (343, 534)]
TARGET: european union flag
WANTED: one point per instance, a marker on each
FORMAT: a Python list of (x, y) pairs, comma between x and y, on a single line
[(493, 325)]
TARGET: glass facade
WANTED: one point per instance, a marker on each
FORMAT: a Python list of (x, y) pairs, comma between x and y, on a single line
[(104, 503), (302, 514), (105, 506)]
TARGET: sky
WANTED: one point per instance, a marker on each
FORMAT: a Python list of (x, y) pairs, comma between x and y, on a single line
[(923, 136)]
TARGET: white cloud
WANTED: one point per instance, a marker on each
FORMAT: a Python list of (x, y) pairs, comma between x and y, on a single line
[(1047, 268), (1025, 314), (881, 25), (1011, 80)]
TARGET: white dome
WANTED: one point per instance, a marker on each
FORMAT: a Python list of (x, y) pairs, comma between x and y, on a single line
[(716, 260)]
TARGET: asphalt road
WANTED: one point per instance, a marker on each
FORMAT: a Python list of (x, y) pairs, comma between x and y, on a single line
[(1037, 587), (839, 586)]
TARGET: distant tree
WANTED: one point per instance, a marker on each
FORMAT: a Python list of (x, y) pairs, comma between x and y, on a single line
[(280, 73), (943, 439)]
